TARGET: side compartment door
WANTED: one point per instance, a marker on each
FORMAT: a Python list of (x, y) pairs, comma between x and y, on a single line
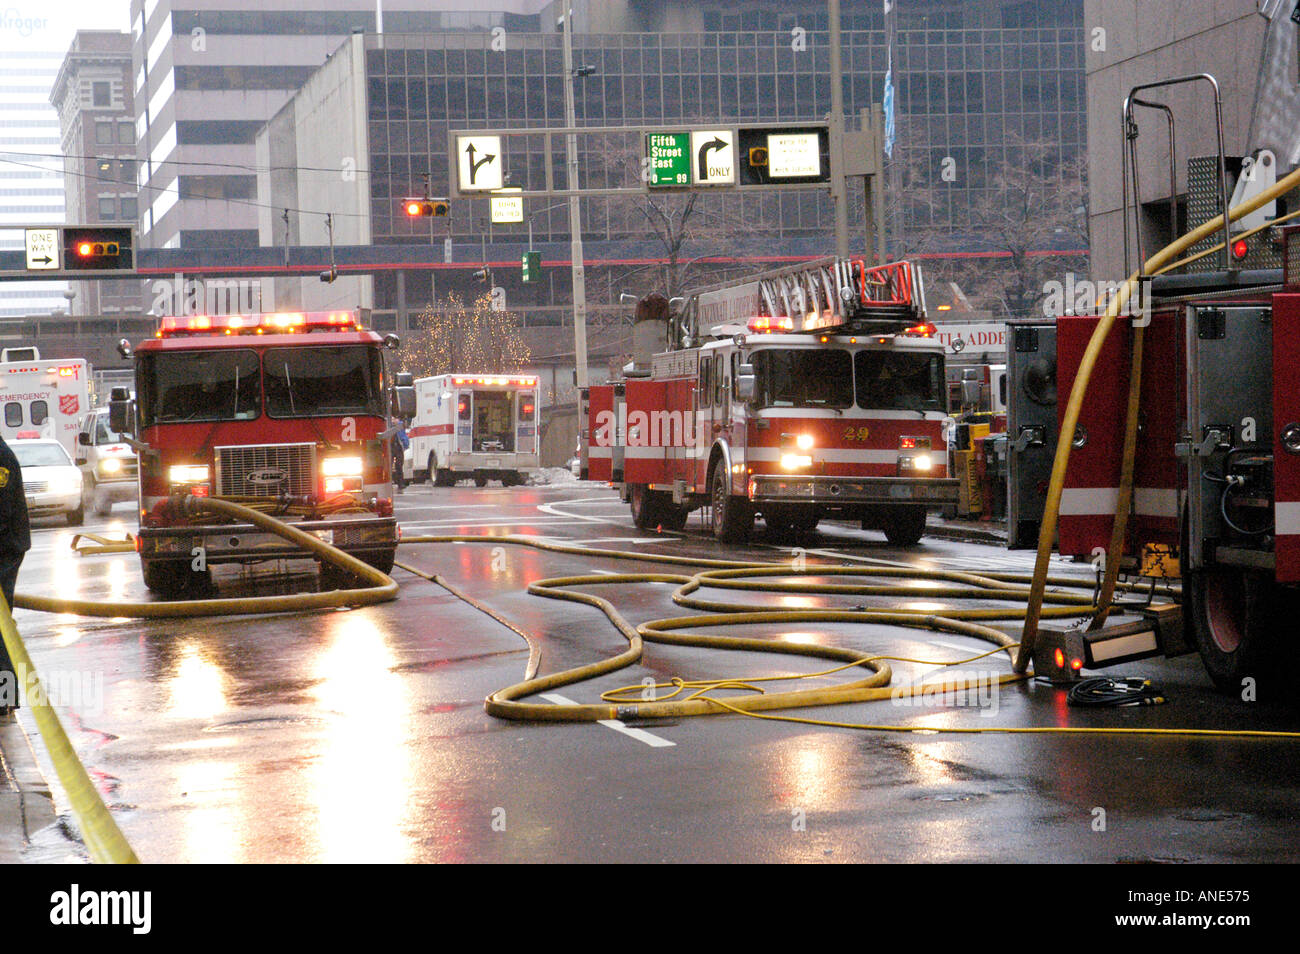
[(645, 458), (1286, 435)]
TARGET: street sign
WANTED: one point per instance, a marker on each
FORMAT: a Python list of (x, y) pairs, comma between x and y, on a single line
[(42, 249), (479, 163), (783, 157), (507, 208), (790, 155), (714, 153), (670, 158)]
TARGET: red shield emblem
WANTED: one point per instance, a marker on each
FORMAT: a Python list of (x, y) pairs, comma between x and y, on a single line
[(68, 404)]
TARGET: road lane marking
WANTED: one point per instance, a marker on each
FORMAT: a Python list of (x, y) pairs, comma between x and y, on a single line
[(639, 734)]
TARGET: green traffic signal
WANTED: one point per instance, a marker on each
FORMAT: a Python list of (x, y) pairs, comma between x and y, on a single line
[(532, 266)]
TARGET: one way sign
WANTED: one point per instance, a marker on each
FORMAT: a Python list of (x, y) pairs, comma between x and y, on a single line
[(713, 155), (479, 163)]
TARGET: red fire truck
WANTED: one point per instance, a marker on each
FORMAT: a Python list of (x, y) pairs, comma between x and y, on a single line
[(286, 412), (1216, 471), (804, 393)]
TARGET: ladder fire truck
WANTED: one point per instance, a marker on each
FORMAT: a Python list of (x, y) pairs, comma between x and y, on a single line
[(286, 412), (804, 393)]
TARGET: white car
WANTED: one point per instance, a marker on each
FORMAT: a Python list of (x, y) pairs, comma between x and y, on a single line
[(50, 479)]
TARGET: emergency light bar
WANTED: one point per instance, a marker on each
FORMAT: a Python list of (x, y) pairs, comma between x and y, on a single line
[(769, 324), (280, 322), (500, 381)]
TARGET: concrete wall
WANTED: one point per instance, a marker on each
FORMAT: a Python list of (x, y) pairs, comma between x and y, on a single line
[(1140, 41), (321, 133)]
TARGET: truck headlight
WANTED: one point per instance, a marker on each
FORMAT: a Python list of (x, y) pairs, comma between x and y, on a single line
[(341, 467), (188, 473), (922, 462), (804, 442), (110, 466), (795, 461)]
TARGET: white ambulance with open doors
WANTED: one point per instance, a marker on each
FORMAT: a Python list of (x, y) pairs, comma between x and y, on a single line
[(476, 427)]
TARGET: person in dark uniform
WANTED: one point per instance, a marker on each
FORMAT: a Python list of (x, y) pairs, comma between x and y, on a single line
[(400, 443), (15, 541)]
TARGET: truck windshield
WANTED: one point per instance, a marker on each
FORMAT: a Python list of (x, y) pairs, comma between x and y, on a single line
[(315, 382), (899, 381), (803, 377), (199, 386)]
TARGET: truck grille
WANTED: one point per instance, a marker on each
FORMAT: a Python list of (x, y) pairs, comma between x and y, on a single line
[(266, 470)]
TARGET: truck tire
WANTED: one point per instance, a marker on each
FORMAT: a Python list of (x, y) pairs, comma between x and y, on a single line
[(783, 523), (335, 578), (733, 517), (383, 562), (904, 526), (480, 481), (171, 578), (1239, 622), (644, 504), (77, 517)]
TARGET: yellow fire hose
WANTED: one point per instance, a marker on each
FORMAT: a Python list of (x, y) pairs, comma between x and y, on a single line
[(1157, 264)]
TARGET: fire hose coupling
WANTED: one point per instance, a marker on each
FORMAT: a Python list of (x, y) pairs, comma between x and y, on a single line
[(625, 713)]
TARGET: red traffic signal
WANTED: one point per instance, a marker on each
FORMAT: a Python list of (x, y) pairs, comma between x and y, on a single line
[(97, 247), (416, 208)]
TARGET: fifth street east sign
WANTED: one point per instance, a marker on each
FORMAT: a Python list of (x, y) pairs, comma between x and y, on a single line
[(670, 158)]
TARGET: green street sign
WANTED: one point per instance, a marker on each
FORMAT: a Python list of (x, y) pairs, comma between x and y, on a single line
[(532, 263), (670, 158)]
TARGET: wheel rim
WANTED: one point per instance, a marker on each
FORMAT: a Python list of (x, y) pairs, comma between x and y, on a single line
[(1225, 607), (719, 500)]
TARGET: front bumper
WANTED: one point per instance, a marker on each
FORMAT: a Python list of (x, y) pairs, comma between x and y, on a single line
[(244, 542), (114, 491), (841, 491), (470, 463), (45, 504)]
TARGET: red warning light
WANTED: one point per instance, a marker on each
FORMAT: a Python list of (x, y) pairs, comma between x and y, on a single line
[(84, 248), (1239, 249), (1059, 658)]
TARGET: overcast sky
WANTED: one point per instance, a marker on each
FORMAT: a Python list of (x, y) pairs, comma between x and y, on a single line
[(50, 25)]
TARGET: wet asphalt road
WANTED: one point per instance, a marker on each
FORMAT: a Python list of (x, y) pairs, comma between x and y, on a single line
[(360, 735)]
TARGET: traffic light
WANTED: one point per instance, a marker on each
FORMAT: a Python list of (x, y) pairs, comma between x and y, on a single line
[(416, 207), (97, 248), (532, 263)]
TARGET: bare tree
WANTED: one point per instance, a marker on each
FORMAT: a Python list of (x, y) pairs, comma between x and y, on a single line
[(1019, 229)]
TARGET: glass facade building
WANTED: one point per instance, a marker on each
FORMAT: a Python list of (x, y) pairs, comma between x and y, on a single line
[(968, 100)]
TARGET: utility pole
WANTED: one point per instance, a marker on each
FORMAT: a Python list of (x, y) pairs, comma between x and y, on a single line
[(839, 193), (575, 212)]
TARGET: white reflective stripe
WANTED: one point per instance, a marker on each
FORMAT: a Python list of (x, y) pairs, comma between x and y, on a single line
[(644, 453), (1156, 501), (599, 453), (1286, 517), (1102, 501), (864, 456)]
